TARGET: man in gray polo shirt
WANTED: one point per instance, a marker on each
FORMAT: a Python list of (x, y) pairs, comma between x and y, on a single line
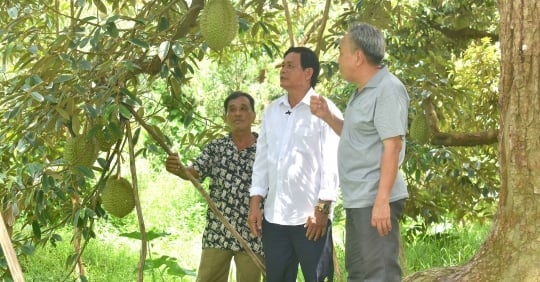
[(371, 149)]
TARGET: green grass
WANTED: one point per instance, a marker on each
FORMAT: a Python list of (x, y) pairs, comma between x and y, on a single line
[(453, 246), (175, 211)]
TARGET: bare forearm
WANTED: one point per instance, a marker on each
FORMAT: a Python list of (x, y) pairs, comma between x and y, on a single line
[(189, 170), (389, 168), (335, 123)]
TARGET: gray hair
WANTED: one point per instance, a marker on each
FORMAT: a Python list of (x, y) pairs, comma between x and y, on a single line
[(370, 40)]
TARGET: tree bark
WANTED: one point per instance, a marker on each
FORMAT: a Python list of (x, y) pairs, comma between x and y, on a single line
[(511, 251)]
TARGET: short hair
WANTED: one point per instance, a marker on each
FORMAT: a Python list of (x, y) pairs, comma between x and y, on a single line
[(370, 40), (308, 59), (236, 94)]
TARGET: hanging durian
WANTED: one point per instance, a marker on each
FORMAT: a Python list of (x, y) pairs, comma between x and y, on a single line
[(219, 23), (419, 130), (117, 197), (81, 150)]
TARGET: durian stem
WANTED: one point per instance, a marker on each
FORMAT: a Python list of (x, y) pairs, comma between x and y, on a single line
[(135, 186), (198, 186)]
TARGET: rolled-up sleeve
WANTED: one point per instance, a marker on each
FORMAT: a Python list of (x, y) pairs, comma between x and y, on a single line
[(259, 179), (329, 176)]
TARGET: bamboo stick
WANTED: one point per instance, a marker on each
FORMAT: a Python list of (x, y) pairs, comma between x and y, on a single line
[(9, 252)]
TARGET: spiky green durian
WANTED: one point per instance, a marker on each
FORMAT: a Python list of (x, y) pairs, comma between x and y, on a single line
[(81, 150), (219, 23), (419, 130), (117, 197)]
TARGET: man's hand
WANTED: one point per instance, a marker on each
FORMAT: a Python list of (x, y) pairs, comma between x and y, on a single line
[(316, 225), (255, 216), (172, 164), (319, 107), (380, 218)]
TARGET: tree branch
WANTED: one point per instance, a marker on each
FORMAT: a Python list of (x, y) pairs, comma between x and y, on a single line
[(189, 20), (320, 37), (464, 33), (289, 23), (455, 139), (135, 184)]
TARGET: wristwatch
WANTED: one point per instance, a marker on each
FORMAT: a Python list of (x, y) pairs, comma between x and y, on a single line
[(323, 207)]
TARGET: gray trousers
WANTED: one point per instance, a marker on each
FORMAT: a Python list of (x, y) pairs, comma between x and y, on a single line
[(369, 256)]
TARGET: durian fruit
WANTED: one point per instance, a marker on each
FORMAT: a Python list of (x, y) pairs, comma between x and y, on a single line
[(219, 23), (81, 150), (419, 130), (117, 197), (107, 136)]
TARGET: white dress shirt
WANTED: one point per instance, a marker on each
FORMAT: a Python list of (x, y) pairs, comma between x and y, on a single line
[(295, 161)]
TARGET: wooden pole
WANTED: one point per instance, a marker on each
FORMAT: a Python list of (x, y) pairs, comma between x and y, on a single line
[(9, 252)]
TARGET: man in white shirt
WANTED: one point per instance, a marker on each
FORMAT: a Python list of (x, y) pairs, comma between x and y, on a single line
[(295, 177)]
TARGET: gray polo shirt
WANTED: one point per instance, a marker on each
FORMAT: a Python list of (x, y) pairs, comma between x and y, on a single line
[(376, 113)]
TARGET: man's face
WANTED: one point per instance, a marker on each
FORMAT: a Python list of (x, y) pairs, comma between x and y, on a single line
[(292, 75), (239, 114), (348, 58)]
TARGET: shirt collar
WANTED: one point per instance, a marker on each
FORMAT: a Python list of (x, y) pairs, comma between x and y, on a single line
[(283, 100), (377, 78)]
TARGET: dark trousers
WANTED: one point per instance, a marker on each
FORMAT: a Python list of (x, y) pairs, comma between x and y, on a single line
[(369, 256), (285, 247)]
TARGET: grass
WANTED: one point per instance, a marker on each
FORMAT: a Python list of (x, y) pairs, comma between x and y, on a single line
[(454, 245), (176, 212)]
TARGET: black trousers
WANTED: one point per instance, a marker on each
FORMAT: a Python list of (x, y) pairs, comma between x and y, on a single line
[(286, 247)]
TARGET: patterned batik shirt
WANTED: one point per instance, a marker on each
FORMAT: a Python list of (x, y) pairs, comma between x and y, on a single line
[(229, 171)]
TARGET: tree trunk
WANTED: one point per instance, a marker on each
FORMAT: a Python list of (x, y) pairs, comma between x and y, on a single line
[(511, 251)]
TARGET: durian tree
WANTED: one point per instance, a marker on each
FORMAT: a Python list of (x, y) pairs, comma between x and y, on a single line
[(79, 68), (512, 250)]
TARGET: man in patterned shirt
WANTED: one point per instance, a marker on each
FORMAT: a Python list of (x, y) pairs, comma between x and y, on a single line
[(228, 163)]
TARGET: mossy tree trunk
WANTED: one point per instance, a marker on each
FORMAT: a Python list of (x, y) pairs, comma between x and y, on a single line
[(511, 251)]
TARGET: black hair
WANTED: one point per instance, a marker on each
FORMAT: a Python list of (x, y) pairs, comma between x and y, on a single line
[(308, 59), (235, 95)]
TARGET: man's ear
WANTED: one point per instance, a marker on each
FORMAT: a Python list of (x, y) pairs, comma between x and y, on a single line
[(360, 57), (309, 73)]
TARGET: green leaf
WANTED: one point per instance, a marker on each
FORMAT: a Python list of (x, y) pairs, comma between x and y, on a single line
[(37, 96), (139, 42), (111, 29), (163, 50), (125, 112), (163, 24), (151, 235), (33, 49), (89, 213), (178, 50), (100, 6), (28, 249), (36, 229), (63, 78), (85, 171), (13, 12), (34, 169)]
